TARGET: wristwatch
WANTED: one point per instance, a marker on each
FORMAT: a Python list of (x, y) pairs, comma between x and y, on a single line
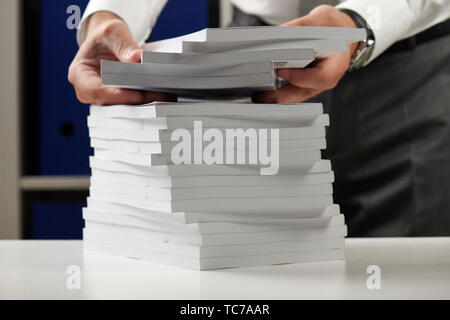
[(365, 49)]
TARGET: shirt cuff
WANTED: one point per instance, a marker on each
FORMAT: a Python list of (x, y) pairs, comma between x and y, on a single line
[(389, 20), (140, 15)]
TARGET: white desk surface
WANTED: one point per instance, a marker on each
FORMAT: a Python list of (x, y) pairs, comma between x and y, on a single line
[(411, 268)]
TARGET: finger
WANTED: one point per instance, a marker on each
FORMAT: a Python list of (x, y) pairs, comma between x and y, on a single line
[(319, 16), (104, 95), (89, 89), (120, 41), (150, 96), (93, 92), (286, 94), (112, 96), (307, 78), (324, 75), (108, 95)]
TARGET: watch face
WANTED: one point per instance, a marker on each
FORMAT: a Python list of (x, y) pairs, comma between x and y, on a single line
[(365, 53)]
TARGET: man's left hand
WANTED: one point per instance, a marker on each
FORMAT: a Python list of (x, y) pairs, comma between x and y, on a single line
[(324, 74)]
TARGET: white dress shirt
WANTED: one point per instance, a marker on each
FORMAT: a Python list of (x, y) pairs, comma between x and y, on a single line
[(391, 20)]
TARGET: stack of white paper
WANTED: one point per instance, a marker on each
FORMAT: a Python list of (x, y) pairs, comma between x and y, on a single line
[(202, 214), (227, 61)]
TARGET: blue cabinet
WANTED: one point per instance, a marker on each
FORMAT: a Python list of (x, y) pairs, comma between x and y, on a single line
[(56, 221), (63, 137)]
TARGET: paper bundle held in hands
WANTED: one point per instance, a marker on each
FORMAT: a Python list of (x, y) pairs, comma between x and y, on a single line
[(227, 62)]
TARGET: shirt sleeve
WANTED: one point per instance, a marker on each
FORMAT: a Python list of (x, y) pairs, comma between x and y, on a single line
[(392, 21), (140, 15)]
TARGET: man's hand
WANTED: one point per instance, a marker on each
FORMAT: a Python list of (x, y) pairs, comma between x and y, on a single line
[(324, 74), (108, 37)]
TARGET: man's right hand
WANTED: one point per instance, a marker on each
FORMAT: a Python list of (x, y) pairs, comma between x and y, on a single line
[(109, 38)]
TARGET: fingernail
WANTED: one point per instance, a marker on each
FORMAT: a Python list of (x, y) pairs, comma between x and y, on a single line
[(133, 54)]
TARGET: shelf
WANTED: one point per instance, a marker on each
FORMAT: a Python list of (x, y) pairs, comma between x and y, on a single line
[(54, 183)]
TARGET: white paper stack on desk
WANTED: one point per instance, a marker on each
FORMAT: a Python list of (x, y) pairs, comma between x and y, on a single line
[(226, 62), (208, 216)]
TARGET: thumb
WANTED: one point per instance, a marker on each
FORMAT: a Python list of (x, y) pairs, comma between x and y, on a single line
[(302, 21), (121, 43), (127, 50), (134, 55)]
